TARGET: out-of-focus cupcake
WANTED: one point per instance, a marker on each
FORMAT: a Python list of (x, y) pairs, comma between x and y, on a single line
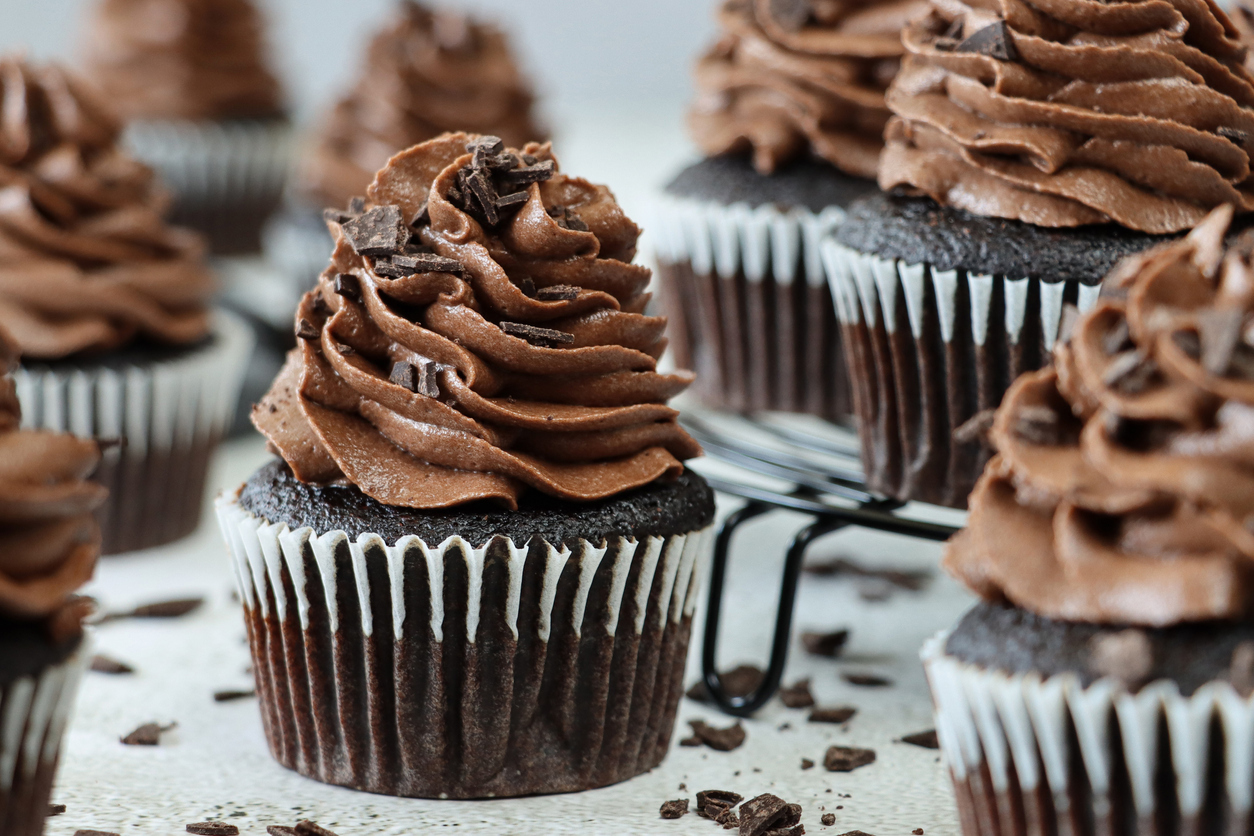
[(474, 570), (49, 543), (1031, 157), (110, 307), (1106, 684), (790, 112), (193, 80)]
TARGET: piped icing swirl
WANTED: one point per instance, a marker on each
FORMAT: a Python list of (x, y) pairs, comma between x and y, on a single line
[(479, 332), (1069, 112), (49, 539), (1123, 487), (182, 59), (86, 261), (429, 71), (791, 78)]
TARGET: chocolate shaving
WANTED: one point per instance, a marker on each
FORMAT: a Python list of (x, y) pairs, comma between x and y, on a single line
[(379, 232), (712, 802), (213, 828), (308, 828), (55, 810), (806, 763), (1219, 331), (1037, 425), (423, 215), (305, 330), (557, 293), (926, 739), (674, 809), (825, 644), (797, 695), (690, 742), (348, 286), (827, 819), (1236, 135), (484, 149), (231, 696), (976, 428), (765, 813), (837, 714), (993, 40), (421, 378), (511, 201), (721, 740), (1130, 372), (536, 172), (480, 185), (103, 664), (149, 734), (176, 608), (728, 819), (740, 681), (866, 680), (847, 758), (427, 263), (567, 219), (526, 285), (534, 334)]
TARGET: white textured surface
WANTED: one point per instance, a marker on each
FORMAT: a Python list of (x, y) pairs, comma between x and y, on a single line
[(216, 764)]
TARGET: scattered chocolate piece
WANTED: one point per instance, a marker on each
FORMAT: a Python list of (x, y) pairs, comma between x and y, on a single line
[(993, 40), (543, 337), (213, 828), (484, 149), (975, 428), (728, 819), (526, 285), (103, 664), (567, 219), (348, 286), (866, 680), (231, 696), (837, 714), (1130, 372), (280, 830), (308, 828), (379, 232), (93, 833), (674, 809), (825, 644), (149, 734), (926, 739), (856, 833), (1126, 656), (806, 763), (1037, 425), (1236, 135), (768, 813), (722, 740), (712, 802), (305, 330), (797, 695), (847, 758), (1219, 330), (784, 726), (532, 173), (557, 293), (480, 185), (740, 681), (176, 608), (791, 14), (918, 831), (55, 810), (511, 201), (828, 819), (908, 579), (690, 741), (423, 215), (427, 263)]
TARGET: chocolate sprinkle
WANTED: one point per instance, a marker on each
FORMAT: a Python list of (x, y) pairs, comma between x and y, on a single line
[(534, 334), (827, 819), (837, 714), (825, 644), (305, 330), (847, 758), (348, 286), (993, 40), (103, 664), (866, 680), (379, 232), (213, 828), (308, 828), (797, 695), (534, 173), (674, 809), (926, 739), (557, 293), (722, 740), (231, 696), (149, 734)]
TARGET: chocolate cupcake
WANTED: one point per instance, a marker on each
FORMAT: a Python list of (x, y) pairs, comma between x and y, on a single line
[(193, 80), (49, 543), (1104, 686), (474, 571), (790, 113), (110, 307), (1032, 150)]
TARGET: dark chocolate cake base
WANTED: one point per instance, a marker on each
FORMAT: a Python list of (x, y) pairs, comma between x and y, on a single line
[(541, 652)]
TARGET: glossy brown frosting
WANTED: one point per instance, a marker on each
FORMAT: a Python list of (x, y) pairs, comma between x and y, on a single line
[(86, 261), (427, 72), (182, 59), (576, 409), (49, 539), (797, 77), (1069, 112), (1123, 488)]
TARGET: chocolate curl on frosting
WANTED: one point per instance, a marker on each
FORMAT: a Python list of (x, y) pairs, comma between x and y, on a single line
[(1123, 489), (1069, 112), (428, 71), (49, 539), (480, 331), (86, 262), (800, 77)]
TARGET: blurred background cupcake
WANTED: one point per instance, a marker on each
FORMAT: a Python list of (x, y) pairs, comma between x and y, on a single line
[(111, 307), (1105, 684), (49, 543), (193, 80), (790, 113), (1028, 162)]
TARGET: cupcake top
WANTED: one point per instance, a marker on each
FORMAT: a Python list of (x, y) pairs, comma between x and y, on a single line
[(1069, 112), (49, 539), (427, 72), (795, 78), (201, 60), (1123, 487), (479, 332), (86, 262)]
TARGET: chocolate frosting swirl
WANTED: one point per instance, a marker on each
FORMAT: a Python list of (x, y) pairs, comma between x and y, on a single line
[(478, 353), (427, 72), (86, 261), (1123, 489), (182, 59), (1069, 112), (796, 77), (49, 539)]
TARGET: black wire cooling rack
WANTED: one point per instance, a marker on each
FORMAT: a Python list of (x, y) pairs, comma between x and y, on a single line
[(785, 463)]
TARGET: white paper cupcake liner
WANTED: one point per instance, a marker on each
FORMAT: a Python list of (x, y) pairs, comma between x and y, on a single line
[(928, 349), (1050, 756), (749, 305), (462, 670), (169, 416), (34, 712)]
